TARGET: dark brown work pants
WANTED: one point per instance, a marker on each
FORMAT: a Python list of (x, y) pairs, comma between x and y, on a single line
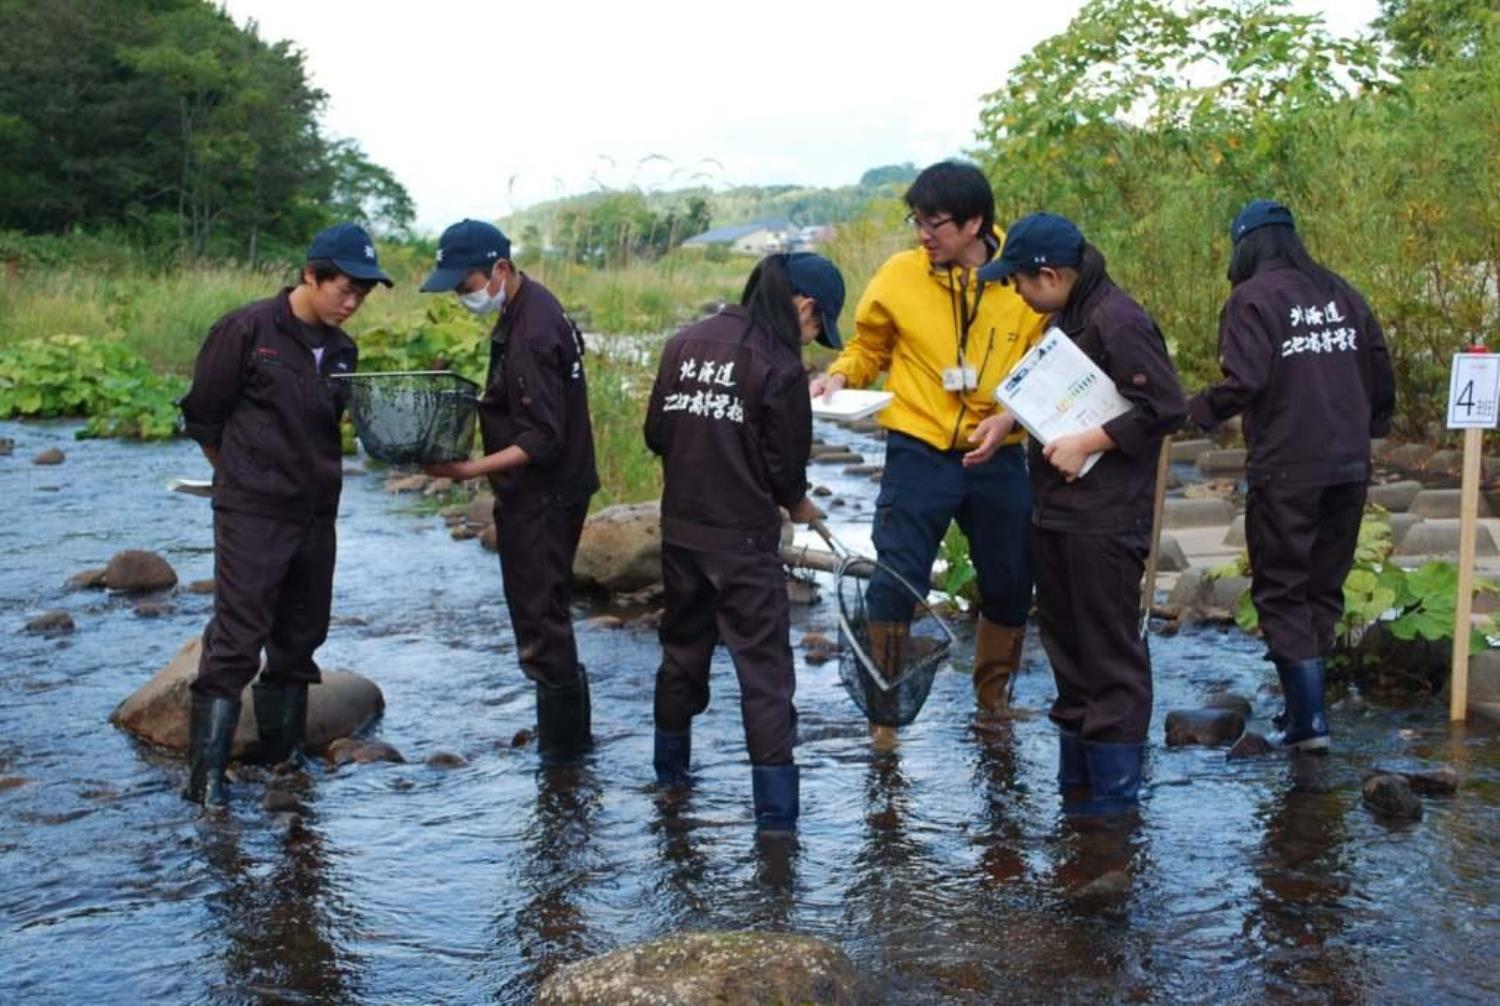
[(738, 598), (1088, 594), (538, 538), (1301, 543), (273, 589)]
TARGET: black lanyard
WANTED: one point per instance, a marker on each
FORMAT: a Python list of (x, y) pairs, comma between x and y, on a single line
[(963, 318)]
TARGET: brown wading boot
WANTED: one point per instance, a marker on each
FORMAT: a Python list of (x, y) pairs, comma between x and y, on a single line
[(997, 657), (887, 652)]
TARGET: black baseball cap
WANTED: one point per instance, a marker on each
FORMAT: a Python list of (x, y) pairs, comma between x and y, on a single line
[(814, 276), (1036, 240), (349, 248), (1259, 213), (464, 247)]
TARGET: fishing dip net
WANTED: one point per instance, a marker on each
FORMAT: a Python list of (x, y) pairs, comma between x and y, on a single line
[(414, 416), (886, 667)]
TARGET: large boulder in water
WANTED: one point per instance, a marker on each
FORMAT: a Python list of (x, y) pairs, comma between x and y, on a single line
[(727, 969), (621, 548), (157, 713), (137, 571)]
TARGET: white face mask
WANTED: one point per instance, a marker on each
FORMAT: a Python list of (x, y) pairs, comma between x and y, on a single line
[(481, 302)]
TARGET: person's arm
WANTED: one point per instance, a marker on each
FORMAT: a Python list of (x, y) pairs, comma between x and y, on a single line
[(655, 427), (1246, 356), (868, 353), (1144, 376), (1382, 377), (786, 438), (218, 377)]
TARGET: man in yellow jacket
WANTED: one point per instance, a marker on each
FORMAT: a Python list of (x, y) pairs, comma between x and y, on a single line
[(946, 339)]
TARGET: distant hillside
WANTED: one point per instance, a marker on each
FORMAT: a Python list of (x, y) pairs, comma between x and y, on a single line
[(803, 205)]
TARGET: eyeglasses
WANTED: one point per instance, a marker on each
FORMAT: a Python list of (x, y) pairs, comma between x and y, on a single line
[(930, 226)]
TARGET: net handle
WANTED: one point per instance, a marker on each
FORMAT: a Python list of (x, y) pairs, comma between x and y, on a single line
[(838, 548)]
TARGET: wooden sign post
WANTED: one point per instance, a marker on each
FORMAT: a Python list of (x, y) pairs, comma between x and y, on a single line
[(1473, 406)]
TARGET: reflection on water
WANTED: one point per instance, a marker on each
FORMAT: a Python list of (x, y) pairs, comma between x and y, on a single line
[(944, 867)]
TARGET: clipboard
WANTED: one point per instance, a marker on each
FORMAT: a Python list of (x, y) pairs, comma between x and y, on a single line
[(1056, 390)]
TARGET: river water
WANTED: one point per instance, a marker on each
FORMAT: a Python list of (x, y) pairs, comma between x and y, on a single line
[(944, 869)]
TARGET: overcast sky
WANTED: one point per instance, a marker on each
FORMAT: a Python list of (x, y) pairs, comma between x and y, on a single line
[(483, 108)]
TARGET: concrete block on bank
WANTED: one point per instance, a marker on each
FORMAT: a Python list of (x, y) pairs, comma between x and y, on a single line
[(1229, 461), (1170, 558), (1440, 538), (1235, 536), (1443, 503), (1396, 497), (1186, 452), (1197, 513), (1402, 523)]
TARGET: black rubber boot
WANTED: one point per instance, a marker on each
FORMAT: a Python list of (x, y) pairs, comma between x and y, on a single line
[(211, 726), (671, 758), (1072, 766), (562, 721), (1306, 726), (1114, 772), (777, 802), (281, 721)]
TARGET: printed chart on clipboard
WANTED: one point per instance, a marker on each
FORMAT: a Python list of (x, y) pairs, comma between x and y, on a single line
[(1056, 390)]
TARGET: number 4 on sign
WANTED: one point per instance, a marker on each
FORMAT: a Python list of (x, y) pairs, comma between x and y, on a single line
[(1473, 406)]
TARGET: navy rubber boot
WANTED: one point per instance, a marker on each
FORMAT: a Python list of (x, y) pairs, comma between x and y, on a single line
[(1114, 772), (777, 803), (211, 726), (1306, 727), (1072, 768), (673, 752), (563, 725), (281, 722)]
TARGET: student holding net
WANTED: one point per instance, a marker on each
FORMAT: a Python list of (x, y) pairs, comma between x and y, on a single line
[(731, 419), (1091, 532)]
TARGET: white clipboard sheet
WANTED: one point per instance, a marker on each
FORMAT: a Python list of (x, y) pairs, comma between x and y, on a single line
[(850, 403), (1056, 390)]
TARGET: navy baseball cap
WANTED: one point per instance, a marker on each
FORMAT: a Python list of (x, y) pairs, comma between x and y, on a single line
[(1040, 239), (464, 247), (814, 276), (349, 248), (1259, 213)]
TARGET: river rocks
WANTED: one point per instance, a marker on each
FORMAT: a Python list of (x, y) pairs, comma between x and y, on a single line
[(88, 579), (445, 759), (839, 458), (361, 752), (489, 539), (157, 713), (1196, 592), (1429, 778), (1412, 457), (480, 510), (1396, 497), (201, 587), (50, 456), (1391, 796), (1235, 536), (1446, 462), (152, 609), (873, 471), (1440, 537), (406, 483), (726, 969), (1209, 727), (1442, 503), (438, 486), (1188, 451), (7, 446), (822, 491), (620, 548), (1223, 462), (1250, 745), (279, 801), (51, 623), (818, 648), (1197, 513), (138, 571), (1222, 489), (1230, 701), (800, 592), (603, 622)]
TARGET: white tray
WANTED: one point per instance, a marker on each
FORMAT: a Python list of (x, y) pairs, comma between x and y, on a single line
[(192, 487), (849, 403)]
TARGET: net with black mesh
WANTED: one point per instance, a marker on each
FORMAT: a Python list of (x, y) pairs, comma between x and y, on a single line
[(413, 417), (887, 667)]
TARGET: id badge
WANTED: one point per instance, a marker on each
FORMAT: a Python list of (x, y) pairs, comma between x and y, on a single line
[(953, 378), (970, 378)]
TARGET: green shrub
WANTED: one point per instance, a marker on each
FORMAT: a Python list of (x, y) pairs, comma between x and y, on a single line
[(109, 384)]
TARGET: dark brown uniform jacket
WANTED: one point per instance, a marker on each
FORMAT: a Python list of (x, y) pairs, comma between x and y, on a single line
[(1312, 374), (1117, 493), (259, 396), (536, 397), (731, 416)]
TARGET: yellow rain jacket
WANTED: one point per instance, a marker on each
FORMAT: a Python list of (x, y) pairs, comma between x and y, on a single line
[(909, 323)]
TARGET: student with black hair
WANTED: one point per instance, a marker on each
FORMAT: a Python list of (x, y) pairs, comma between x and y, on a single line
[(266, 415), (946, 339), (731, 418), (1305, 360), (539, 460), (1092, 531)]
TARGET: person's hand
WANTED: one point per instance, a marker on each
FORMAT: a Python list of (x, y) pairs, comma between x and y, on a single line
[(988, 436), (804, 511), (1067, 454), (459, 471), (826, 384)]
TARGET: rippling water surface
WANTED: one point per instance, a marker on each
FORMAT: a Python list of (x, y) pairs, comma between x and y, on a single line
[(943, 869)]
